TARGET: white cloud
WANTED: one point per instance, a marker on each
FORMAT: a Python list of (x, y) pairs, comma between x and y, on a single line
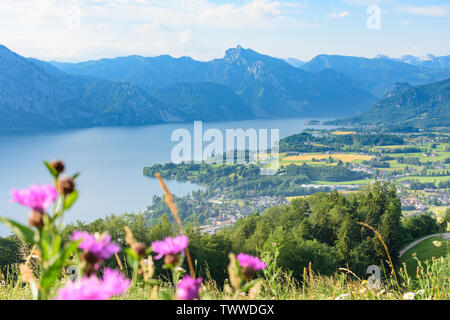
[(257, 13), (432, 11), (56, 29), (185, 37), (337, 15)]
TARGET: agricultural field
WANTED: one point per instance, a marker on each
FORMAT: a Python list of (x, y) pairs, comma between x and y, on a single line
[(344, 157), (341, 133), (425, 178), (356, 182)]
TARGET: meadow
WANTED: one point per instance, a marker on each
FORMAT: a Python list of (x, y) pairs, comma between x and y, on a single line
[(77, 268)]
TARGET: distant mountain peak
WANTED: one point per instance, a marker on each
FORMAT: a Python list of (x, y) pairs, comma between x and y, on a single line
[(294, 62), (234, 54)]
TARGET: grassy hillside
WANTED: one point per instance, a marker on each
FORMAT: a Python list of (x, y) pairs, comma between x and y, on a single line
[(426, 249)]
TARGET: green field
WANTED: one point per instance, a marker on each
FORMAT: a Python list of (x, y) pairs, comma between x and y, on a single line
[(425, 178), (328, 183), (424, 250)]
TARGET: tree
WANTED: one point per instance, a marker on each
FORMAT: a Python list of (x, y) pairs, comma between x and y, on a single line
[(390, 230), (347, 237)]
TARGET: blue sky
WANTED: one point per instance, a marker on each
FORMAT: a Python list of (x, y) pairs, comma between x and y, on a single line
[(78, 30)]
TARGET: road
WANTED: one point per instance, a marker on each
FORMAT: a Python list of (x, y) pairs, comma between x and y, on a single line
[(445, 235)]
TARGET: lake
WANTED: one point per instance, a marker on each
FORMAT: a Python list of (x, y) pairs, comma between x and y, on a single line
[(110, 160)]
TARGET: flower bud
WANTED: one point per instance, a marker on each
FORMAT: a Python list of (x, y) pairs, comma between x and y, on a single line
[(171, 259), (91, 262), (248, 272), (139, 248), (89, 257), (36, 219), (65, 186), (58, 165)]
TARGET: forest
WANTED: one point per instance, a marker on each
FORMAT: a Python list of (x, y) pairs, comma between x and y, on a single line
[(245, 180), (322, 229)]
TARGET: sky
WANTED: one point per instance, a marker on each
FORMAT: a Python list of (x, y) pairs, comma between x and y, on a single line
[(80, 30)]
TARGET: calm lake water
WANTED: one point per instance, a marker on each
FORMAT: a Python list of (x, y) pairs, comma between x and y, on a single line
[(110, 160)]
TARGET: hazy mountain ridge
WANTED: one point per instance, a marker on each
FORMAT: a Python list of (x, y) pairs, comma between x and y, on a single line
[(193, 101), (377, 75), (244, 84), (33, 95), (269, 86), (429, 61), (294, 62)]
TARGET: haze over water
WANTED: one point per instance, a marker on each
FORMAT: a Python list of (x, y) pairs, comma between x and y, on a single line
[(110, 160)]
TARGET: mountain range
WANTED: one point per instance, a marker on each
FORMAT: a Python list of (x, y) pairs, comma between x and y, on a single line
[(269, 86), (244, 84), (377, 75), (428, 61), (425, 106)]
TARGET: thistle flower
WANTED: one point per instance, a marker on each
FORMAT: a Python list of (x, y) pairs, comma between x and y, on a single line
[(36, 219), (409, 296), (188, 288), (249, 264), (65, 185), (58, 165), (97, 246), (170, 247), (36, 197), (93, 288)]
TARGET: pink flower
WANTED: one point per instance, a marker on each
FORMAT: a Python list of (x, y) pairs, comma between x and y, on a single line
[(36, 197), (251, 262), (188, 288), (99, 245), (170, 246), (93, 288)]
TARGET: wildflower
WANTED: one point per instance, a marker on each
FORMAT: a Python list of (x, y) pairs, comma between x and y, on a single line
[(343, 296), (362, 290), (58, 165), (421, 291), (146, 262), (437, 243), (93, 288), (36, 197), (409, 296), (2, 286), (65, 185), (188, 288), (97, 247), (170, 247), (382, 291), (249, 264)]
